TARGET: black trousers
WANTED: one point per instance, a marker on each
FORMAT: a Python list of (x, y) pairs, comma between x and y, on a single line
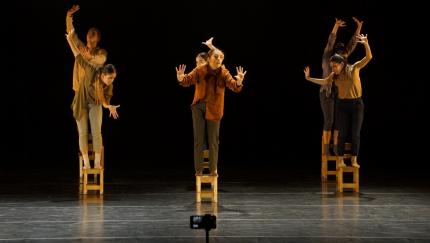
[(349, 118)]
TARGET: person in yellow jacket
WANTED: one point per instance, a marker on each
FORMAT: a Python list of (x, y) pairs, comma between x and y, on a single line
[(89, 51)]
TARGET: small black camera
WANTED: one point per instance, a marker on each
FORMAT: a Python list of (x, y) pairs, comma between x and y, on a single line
[(206, 222)]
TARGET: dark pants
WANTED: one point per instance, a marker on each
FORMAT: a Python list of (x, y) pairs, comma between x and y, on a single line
[(349, 118), (327, 107), (204, 129)]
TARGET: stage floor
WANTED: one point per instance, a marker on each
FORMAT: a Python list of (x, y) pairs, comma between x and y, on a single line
[(157, 209)]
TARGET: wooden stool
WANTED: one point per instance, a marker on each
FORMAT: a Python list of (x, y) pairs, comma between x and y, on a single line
[(212, 192), (340, 185), (91, 156), (96, 185), (325, 171), (98, 174)]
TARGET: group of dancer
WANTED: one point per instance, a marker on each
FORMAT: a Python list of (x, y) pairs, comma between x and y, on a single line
[(93, 87), (340, 93)]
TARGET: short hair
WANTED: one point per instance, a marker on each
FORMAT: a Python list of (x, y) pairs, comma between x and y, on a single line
[(339, 48), (108, 69), (202, 55)]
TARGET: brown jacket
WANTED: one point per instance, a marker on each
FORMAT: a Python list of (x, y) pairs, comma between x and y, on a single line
[(210, 87), (91, 89)]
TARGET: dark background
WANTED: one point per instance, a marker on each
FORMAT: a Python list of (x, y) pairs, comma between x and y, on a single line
[(273, 125)]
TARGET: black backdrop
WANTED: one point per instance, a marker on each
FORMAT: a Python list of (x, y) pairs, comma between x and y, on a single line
[(274, 123)]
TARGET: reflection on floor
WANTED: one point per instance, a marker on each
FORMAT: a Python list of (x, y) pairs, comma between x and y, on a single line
[(137, 209)]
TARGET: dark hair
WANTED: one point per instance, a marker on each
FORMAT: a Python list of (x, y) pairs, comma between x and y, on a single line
[(203, 55), (337, 58), (339, 48), (108, 69), (95, 30), (100, 85)]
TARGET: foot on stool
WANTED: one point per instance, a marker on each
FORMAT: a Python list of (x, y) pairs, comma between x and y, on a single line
[(214, 173), (87, 166), (97, 165), (354, 162), (86, 161)]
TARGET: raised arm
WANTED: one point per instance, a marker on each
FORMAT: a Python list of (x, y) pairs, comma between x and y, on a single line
[(69, 24), (186, 79), (209, 44), (328, 50), (332, 37), (320, 81), (363, 62), (72, 44), (71, 40), (235, 85), (69, 17), (350, 47)]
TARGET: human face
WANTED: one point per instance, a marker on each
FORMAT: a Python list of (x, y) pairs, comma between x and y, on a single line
[(216, 59), (108, 78), (93, 37), (200, 61), (336, 67)]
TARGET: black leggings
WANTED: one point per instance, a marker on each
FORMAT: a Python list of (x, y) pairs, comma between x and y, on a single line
[(349, 118)]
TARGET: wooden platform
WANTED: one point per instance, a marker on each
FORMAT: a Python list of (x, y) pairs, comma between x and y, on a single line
[(206, 184), (340, 181), (325, 162), (91, 179)]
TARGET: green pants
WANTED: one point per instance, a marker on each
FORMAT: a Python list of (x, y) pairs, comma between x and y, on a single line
[(202, 127), (95, 114)]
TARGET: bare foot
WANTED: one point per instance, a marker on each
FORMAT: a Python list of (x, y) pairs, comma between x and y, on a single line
[(355, 164)]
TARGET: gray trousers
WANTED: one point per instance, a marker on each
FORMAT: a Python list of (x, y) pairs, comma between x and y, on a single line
[(95, 114), (328, 108), (202, 127)]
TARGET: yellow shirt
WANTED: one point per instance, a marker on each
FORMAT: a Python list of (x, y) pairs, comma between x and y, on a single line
[(348, 82)]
